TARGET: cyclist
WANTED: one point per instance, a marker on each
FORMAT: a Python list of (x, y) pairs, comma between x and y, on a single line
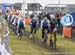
[(33, 25), (53, 27), (44, 25), (15, 25), (20, 27)]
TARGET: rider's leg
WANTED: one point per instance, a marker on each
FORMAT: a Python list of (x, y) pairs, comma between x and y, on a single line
[(51, 41), (46, 33), (20, 34), (31, 33), (35, 32), (43, 33), (55, 40), (17, 30)]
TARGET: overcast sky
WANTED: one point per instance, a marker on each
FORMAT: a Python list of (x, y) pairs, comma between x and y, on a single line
[(42, 2)]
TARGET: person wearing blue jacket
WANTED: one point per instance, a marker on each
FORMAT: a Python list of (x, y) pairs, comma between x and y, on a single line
[(45, 24), (33, 25)]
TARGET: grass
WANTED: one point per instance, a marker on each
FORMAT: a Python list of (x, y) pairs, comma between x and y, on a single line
[(26, 47)]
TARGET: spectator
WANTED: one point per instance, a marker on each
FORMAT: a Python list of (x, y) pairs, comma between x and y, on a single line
[(7, 39)]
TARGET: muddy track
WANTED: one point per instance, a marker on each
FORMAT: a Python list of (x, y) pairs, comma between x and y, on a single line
[(38, 42)]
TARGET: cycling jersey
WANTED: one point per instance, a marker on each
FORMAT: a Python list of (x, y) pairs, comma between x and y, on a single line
[(21, 25), (33, 23), (53, 25), (45, 23)]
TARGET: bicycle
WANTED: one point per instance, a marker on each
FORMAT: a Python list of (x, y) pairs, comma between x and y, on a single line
[(32, 34), (53, 40)]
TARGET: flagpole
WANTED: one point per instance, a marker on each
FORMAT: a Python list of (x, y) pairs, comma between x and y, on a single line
[(23, 8), (59, 8)]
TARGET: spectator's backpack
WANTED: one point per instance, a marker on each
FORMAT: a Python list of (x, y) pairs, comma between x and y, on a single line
[(45, 23), (21, 25)]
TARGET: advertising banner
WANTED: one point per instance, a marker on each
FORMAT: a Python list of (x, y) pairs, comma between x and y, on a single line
[(68, 20)]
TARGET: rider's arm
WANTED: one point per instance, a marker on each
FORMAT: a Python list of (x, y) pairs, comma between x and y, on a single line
[(18, 23), (24, 23), (31, 24), (8, 17), (48, 23), (41, 24)]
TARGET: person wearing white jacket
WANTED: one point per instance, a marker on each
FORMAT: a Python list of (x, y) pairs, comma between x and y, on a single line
[(45, 24), (7, 39), (3, 50)]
